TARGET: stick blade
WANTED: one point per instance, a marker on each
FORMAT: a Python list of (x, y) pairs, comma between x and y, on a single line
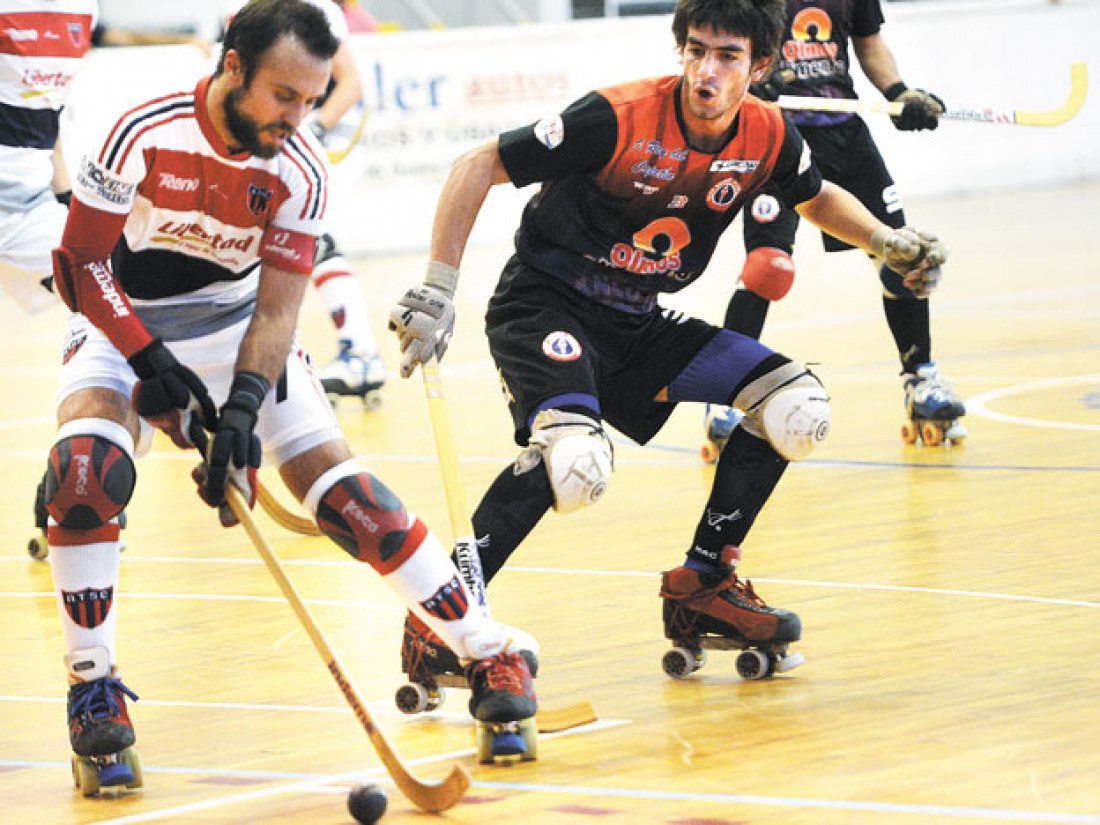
[(1079, 84), (434, 797), (554, 720)]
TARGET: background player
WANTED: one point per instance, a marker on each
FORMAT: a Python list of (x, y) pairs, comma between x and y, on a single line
[(209, 204), (638, 183), (814, 62)]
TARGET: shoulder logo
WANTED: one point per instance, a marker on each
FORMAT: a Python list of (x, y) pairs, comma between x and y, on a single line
[(550, 131), (561, 346)]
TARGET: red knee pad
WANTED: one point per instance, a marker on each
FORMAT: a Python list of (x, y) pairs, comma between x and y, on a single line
[(89, 480), (768, 272), (369, 522)]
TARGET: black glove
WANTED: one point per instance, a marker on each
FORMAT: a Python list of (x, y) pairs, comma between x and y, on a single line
[(166, 385), (774, 85), (235, 452), (922, 109)]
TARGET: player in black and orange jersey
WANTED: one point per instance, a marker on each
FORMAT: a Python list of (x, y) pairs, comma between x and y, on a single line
[(814, 62), (186, 253), (638, 183)]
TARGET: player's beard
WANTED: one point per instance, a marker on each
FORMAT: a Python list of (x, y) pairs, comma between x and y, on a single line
[(246, 130)]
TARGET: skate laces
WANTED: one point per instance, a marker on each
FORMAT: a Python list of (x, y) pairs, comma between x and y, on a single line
[(98, 699), (502, 672)]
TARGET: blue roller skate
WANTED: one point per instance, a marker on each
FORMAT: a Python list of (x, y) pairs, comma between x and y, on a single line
[(932, 409)]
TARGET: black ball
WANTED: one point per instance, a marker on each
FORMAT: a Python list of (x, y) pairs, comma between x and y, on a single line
[(367, 803)]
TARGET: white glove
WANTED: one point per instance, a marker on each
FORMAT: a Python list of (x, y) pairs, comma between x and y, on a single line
[(914, 254), (424, 318)]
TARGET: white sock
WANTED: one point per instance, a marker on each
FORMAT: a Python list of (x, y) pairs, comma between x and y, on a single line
[(343, 298)]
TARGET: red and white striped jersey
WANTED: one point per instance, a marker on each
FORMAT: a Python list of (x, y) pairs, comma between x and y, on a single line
[(199, 216), (41, 44)]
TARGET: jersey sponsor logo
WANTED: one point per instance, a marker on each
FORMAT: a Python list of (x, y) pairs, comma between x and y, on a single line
[(664, 237), (812, 30), (106, 283), (655, 149), (449, 602), (648, 170), (39, 81), (734, 165), (195, 233), (550, 131), (177, 184), (21, 35), (678, 202), (103, 185), (259, 198), (723, 194), (88, 607), (561, 346), (765, 209)]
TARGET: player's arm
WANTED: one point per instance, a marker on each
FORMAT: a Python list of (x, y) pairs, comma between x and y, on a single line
[(922, 108), (346, 91), (267, 341)]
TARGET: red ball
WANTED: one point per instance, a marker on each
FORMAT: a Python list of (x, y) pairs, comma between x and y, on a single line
[(367, 803)]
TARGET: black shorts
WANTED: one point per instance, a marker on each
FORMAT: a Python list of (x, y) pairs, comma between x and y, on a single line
[(846, 155), (551, 342)]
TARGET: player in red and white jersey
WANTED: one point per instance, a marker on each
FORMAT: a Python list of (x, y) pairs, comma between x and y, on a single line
[(209, 205), (41, 46)]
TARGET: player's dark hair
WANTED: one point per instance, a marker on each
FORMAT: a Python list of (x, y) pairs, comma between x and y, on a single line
[(762, 21), (256, 28)]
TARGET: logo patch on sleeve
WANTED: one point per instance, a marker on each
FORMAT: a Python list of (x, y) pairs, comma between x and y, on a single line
[(550, 131), (561, 346)]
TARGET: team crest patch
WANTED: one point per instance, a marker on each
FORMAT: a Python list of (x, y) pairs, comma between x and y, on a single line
[(72, 347), (723, 194), (449, 602), (561, 346), (89, 607), (76, 34), (765, 209), (258, 199), (550, 131)]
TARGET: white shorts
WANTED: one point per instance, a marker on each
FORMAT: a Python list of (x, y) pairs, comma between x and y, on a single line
[(296, 415), (27, 240)]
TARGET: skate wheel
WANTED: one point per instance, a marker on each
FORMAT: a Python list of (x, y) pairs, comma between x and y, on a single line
[(681, 662), (931, 434), (710, 451), (789, 662), (417, 698), (910, 432), (372, 401), (506, 741), (755, 664), (38, 548), (131, 759), (85, 777)]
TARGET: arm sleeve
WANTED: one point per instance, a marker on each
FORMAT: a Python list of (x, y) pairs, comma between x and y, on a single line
[(867, 18), (290, 241), (796, 177), (580, 139)]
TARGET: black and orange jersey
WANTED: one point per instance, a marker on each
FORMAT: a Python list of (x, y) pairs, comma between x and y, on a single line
[(628, 208), (815, 50)]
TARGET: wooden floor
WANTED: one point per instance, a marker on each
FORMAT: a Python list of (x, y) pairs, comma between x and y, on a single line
[(950, 598)]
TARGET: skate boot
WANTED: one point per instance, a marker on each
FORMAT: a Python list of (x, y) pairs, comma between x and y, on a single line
[(100, 731), (503, 704), (38, 546), (351, 373), (431, 666), (704, 612), (718, 423), (932, 409)]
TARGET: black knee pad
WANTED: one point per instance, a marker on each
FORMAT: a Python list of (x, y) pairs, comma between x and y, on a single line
[(89, 480), (369, 522)]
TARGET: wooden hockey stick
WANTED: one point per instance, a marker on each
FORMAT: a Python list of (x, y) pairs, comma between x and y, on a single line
[(1010, 117), (429, 796), (548, 721), (337, 156), (282, 516)]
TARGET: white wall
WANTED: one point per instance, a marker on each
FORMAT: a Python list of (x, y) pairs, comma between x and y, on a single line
[(435, 94)]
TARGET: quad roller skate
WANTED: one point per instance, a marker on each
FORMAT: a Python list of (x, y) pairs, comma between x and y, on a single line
[(932, 409), (502, 701), (38, 545), (431, 666), (100, 731), (724, 613), (353, 374), (718, 423)]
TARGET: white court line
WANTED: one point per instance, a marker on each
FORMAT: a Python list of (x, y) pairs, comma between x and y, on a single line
[(978, 404)]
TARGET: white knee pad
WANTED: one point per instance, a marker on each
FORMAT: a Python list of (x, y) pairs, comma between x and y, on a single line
[(789, 407), (577, 455)]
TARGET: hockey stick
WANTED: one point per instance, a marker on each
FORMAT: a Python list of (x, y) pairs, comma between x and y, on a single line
[(338, 155), (548, 721), (1010, 117), (282, 516), (429, 796)]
